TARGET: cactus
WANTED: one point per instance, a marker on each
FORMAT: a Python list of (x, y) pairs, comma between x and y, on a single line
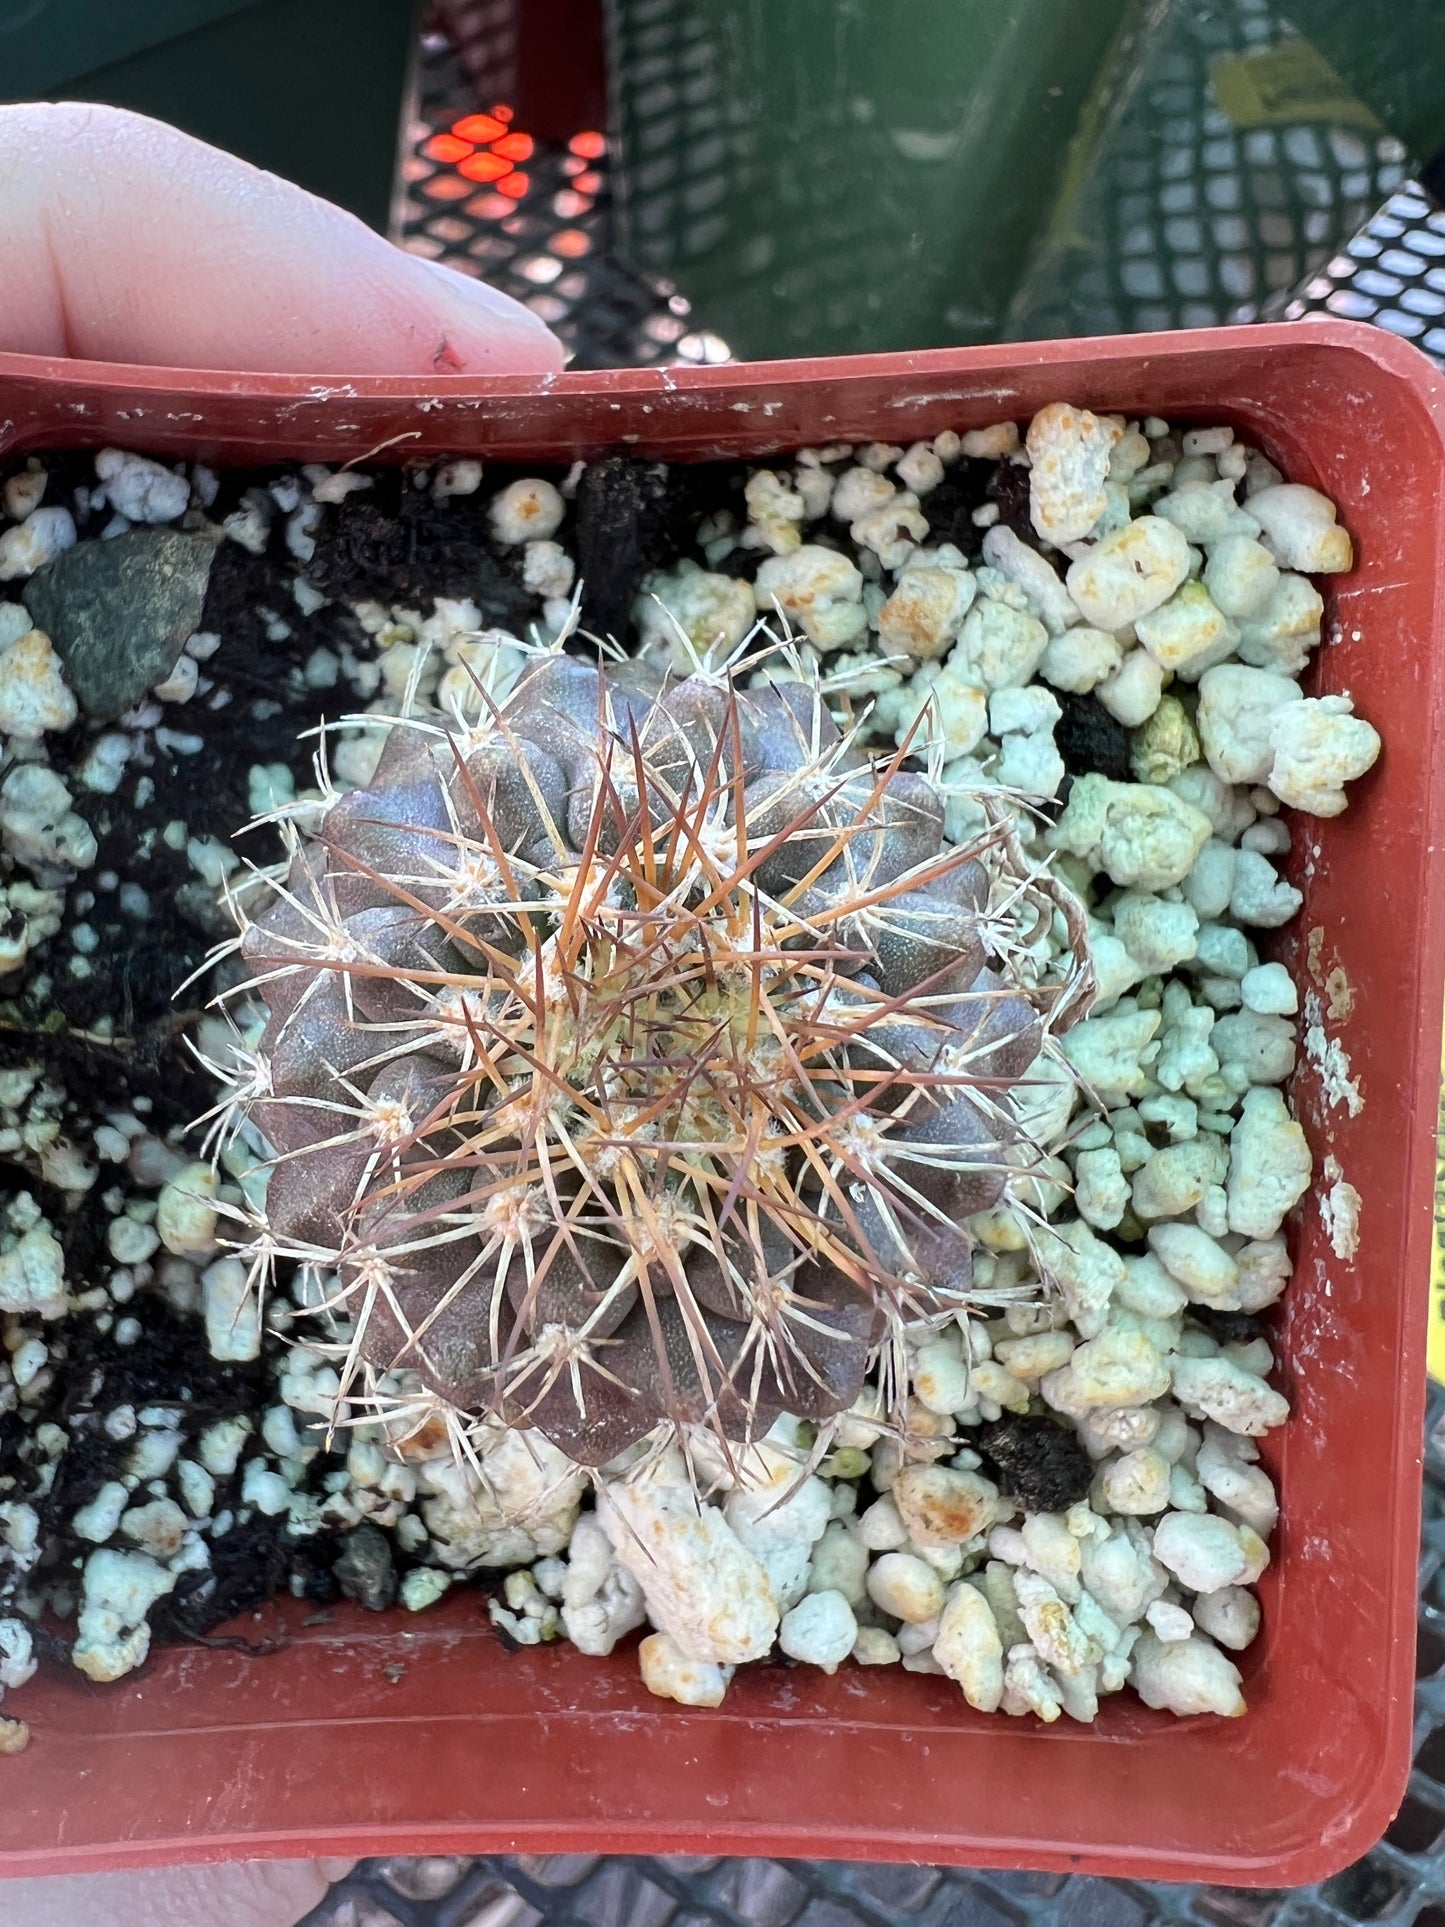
[(637, 1054)]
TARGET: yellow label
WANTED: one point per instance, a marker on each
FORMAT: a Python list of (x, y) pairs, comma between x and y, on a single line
[(1285, 84), (1435, 1347)]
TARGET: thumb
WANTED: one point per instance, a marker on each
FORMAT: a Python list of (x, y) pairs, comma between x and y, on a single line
[(125, 240), (246, 1893)]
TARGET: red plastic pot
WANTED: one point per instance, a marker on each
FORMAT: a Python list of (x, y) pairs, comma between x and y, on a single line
[(395, 1734)]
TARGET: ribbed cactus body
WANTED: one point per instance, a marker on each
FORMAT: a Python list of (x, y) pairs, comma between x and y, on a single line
[(635, 1055)]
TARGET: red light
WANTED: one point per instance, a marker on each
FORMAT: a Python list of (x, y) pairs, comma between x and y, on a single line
[(446, 147), (503, 113), (514, 187), (484, 167), (571, 243), (445, 187), (515, 147), (590, 146), (588, 183), (479, 127)]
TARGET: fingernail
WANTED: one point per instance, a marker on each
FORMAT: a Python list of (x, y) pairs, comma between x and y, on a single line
[(473, 302)]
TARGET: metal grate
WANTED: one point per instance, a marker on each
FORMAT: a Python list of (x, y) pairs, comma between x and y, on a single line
[(1218, 160), (1194, 207), (541, 230), (1181, 213), (1392, 273)]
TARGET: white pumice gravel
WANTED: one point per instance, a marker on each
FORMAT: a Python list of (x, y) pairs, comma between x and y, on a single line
[(1160, 582), (673, 1674), (142, 490), (34, 697), (35, 541)]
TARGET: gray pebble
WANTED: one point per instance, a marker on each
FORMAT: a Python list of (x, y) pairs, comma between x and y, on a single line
[(119, 612), (364, 1570)]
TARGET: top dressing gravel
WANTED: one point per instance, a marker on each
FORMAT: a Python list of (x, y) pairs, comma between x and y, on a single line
[(1091, 629)]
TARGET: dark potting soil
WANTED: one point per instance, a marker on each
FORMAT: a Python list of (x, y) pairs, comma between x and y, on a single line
[(1034, 1461), (967, 486), (115, 1039), (168, 1365), (1091, 741), (1227, 1327), (632, 517), (395, 542), (250, 1565), (1007, 484)]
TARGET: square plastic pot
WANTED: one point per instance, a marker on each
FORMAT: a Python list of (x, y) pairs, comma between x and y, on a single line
[(398, 1734)]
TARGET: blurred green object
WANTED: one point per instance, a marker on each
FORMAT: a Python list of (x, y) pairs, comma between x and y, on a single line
[(312, 89), (836, 176), (832, 175), (1392, 57)]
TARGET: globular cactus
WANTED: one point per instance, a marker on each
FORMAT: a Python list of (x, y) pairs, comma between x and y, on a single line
[(637, 1054)]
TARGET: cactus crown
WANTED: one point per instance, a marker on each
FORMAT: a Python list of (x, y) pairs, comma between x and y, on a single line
[(635, 1054)]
